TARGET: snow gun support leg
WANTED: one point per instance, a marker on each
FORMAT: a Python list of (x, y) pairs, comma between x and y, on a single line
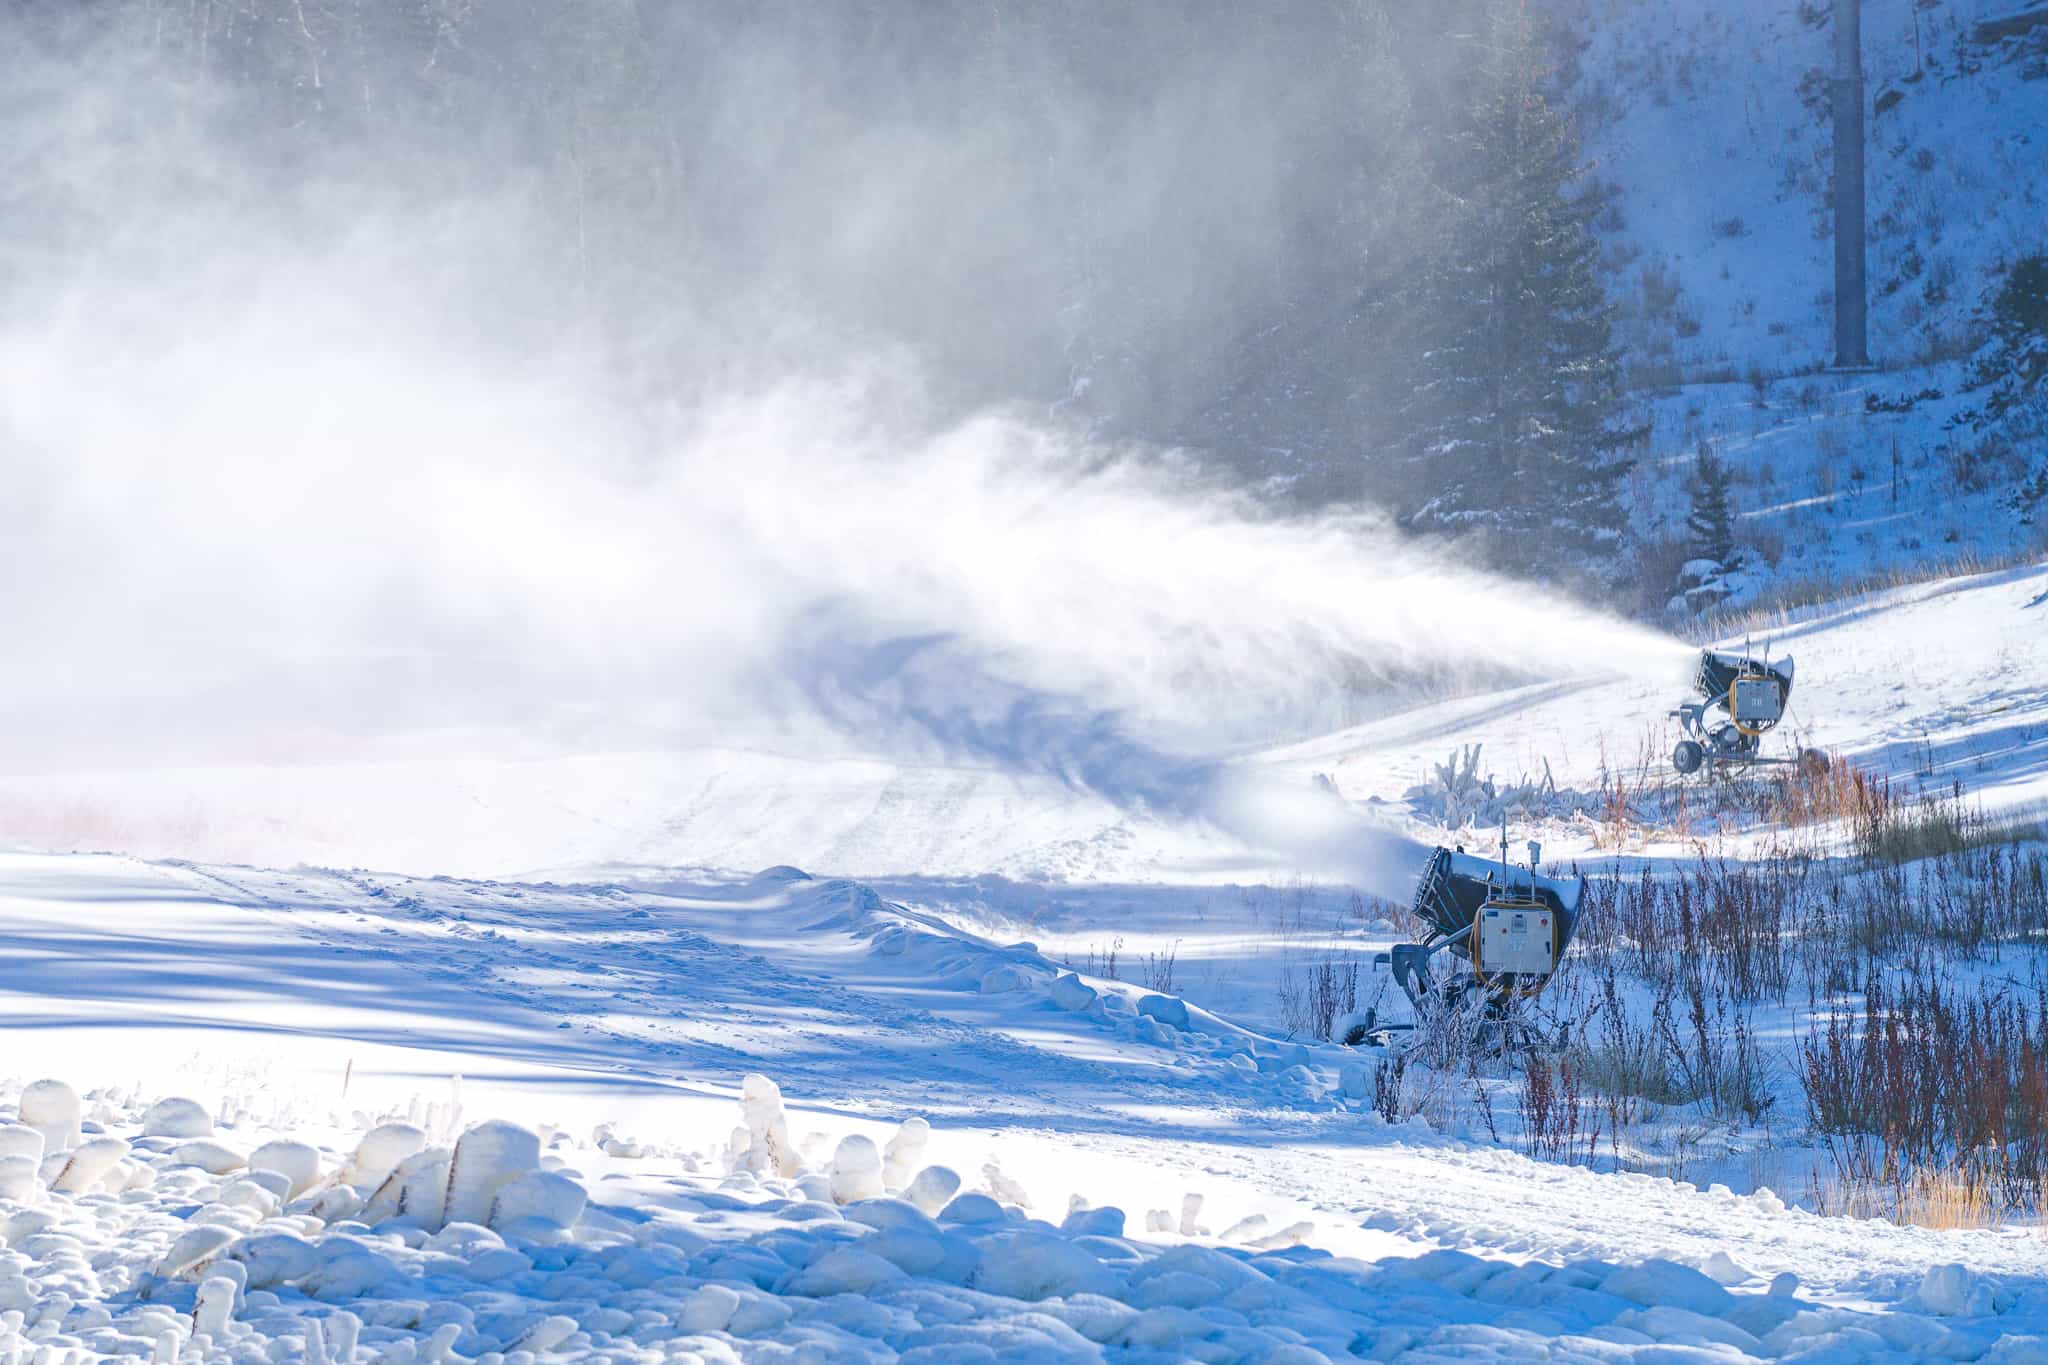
[(1410, 964)]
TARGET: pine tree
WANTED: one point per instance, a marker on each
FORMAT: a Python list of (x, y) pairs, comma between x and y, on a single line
[(1711, 524), (1512, 416), (2015, 366), (2019, 326), (2016, 361)]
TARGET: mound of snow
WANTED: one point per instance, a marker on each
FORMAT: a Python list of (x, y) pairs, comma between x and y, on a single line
[(177, 1118), (472, 1250), (1167, 1009)]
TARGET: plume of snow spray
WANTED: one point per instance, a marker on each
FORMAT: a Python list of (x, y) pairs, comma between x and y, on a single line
[(249, 540), (243, 529), (292, 481)]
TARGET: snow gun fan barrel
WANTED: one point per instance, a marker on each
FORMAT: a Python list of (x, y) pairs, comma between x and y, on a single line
[(1748, 688)]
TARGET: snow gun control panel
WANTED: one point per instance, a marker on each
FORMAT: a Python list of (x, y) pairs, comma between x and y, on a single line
[(1516, 938), (1756, 701)]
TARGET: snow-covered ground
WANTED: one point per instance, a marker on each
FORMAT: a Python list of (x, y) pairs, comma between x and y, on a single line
[(316, 1008), (1070, 1119)]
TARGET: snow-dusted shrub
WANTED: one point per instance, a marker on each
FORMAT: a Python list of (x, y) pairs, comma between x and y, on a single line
[(1455, 796), (856, 1170), (416, 1189), (297, 1162), (20, 1179), (273, 1258), (346, 1269), (379, 1153), (332, 1204), (208, 1155), (492, 1179), (1316, 995), (51, 1108), (260, 1197), (86, 1166), (546, 1335), (194, 1251), (933, 1188), (1003, 1187), (538, 1206), (1932, 1101), (215, 1308), (905, 1152), (487, 1158), (768, 1146), (177, 1118)]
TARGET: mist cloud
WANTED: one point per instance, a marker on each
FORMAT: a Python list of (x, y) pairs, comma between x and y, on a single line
[(313, 460)]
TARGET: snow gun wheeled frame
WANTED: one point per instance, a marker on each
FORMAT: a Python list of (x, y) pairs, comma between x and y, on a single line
[(1741, 700), (1495, 937)]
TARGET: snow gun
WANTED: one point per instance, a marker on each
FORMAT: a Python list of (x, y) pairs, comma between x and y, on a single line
[(1741, 700), (1494, 937)]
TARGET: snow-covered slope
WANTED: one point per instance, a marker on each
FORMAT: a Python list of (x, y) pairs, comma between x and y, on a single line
[(1933, 685), (1142, 1173), (1715, 132), (721, 807), (1153, 1182)]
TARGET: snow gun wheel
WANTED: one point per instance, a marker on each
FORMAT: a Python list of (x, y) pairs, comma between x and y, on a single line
[(1688, 756), (1355, 1029)]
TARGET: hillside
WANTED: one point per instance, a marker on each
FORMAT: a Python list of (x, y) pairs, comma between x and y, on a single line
[(1709, 125)]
